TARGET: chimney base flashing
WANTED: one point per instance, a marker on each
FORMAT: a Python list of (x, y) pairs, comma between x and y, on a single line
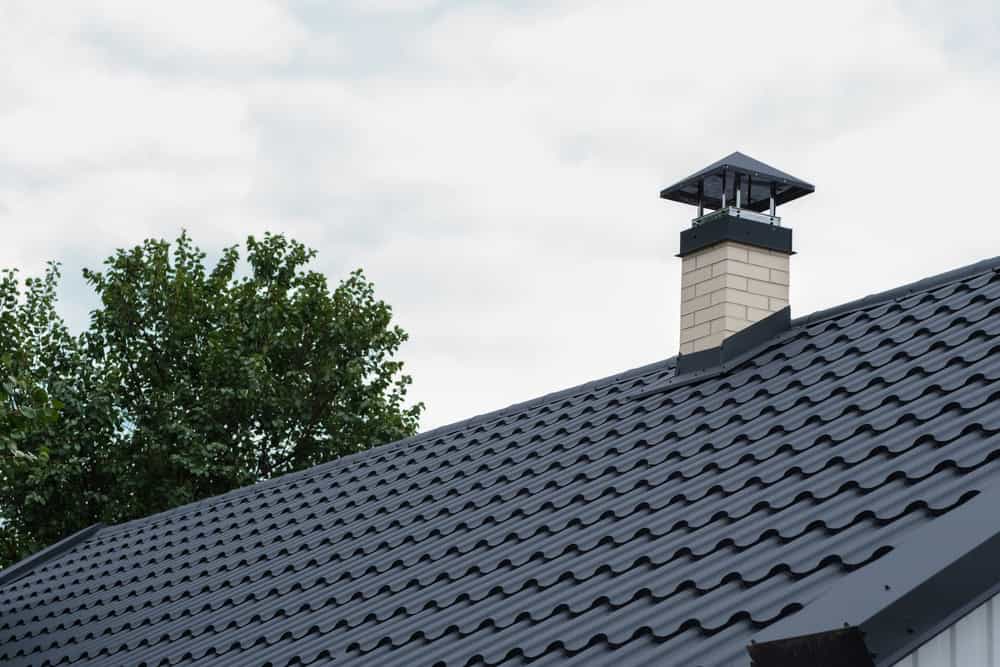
[(733, 228), (737, 344)]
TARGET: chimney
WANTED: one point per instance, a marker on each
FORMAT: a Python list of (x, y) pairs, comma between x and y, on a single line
[(735, 267)]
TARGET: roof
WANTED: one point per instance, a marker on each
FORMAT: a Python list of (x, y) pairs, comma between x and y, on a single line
[(787, 187), (936, 576), (639, 519)]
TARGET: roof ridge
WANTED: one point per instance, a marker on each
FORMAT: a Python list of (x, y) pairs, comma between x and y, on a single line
[(931, 282), (922, 285)]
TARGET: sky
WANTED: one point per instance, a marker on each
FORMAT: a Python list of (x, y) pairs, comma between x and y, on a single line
[(494, 167)]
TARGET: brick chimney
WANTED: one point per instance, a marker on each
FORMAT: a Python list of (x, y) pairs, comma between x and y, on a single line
[(735, 259), (727, 287)]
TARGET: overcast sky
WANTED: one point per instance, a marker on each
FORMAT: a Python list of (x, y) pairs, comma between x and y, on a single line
[(495, 166)]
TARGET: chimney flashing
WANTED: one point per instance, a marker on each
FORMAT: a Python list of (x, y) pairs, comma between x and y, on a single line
[(736, 345)]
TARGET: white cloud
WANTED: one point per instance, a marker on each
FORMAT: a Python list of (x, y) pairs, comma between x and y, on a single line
[(244, 32), (392, 6), (494, 167)]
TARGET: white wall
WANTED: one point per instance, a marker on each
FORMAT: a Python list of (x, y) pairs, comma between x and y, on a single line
[(972, 642)]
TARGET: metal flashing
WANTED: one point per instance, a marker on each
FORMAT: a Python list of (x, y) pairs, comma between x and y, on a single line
[(925, 584), (23, 567), (843, 647), (740, 230), (755, 335)]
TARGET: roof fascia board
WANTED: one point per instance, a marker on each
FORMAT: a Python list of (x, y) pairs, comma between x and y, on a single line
[(25, 566), (901, 601)]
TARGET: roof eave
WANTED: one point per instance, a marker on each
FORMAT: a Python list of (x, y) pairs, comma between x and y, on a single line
[(905, 598)]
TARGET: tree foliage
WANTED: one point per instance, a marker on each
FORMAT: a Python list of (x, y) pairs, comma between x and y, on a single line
[(25, 407), (193, 380)]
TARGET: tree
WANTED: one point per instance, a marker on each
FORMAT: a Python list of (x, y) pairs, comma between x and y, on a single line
[(25, 407), (192, 381)]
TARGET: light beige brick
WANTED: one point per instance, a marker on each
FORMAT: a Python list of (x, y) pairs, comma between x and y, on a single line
[(710, 313), (710, 286), (736, 310), (726, 288), (780, 277), (719, 296), (708, 342), (769, 258), (737, 251), (695, 332), (696, 276), (746, 299), (697, 303), (736, 268), (728, 325), (716, 253), (710, 256), (767, 289), (720, 282)]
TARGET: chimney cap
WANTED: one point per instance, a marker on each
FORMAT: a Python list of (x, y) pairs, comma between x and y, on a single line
[(721, 176)]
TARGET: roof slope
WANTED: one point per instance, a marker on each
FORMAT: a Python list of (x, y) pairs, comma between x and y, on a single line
[(635, 520)]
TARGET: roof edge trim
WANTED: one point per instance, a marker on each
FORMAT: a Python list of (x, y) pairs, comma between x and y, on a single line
[(23, 567), (925, 584)]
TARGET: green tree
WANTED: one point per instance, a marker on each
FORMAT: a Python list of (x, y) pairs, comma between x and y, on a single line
[(194, 380), (25, 408)]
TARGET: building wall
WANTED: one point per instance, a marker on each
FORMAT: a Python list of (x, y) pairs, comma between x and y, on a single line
[(972, 642)]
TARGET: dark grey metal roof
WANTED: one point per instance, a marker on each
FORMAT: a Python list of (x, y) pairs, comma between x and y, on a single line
[(787, 187), (641, 519), (932, 579)]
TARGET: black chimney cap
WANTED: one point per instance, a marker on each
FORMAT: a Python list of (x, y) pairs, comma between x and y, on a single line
[(758, 175)]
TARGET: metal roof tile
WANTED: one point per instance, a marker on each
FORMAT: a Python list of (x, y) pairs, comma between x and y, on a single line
[(635, 520)]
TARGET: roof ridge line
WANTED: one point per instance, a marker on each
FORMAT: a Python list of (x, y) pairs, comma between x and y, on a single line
[(967, 271), (922, 285), (925, 284)]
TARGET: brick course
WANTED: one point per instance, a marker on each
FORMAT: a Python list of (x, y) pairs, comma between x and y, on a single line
[(726, 288)]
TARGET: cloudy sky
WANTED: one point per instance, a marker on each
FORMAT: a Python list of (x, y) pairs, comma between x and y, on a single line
[(494, 166)]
